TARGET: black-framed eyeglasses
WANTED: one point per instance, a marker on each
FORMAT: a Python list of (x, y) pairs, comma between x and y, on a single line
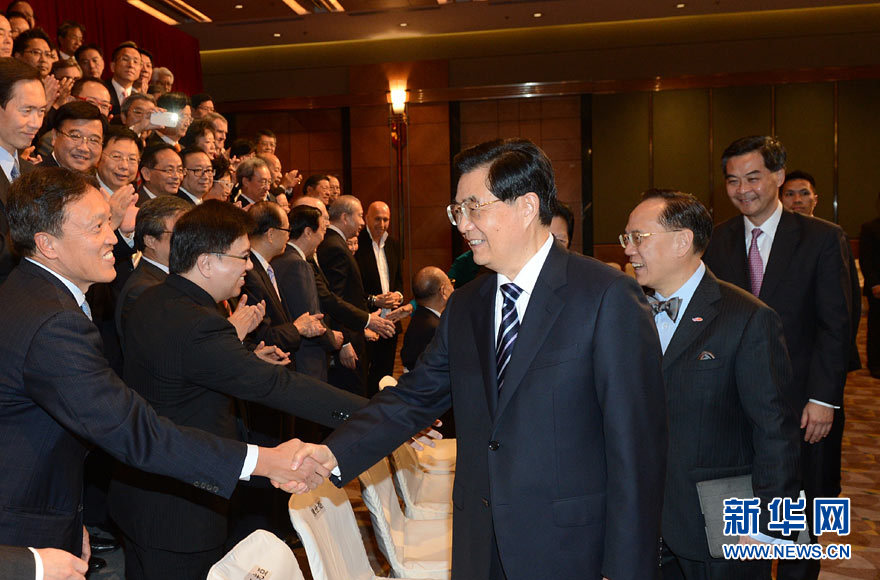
[(79, 139), (635, 238), (200, 171), (170, 171), (282, 229), (242, 258)]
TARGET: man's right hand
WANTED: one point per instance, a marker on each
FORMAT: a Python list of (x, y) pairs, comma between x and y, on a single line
[(246, 318), (384, 328), (348, 357), (61, 565), (276, 464), (320, 454), (309, 325)]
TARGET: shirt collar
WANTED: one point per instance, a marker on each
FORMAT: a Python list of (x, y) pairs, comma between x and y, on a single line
[(167, 139), (528, 275), (381, 242), (298, 249), (7, 161), (162, 267), (431, 310), (103, 185), (260, 259), (769, 226), (150, 194), (196, 200), (687, 289), (120, 90), (337, 230), (78, 294)]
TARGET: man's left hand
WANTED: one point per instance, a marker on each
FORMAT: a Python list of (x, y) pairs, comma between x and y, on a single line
[(817, 420)]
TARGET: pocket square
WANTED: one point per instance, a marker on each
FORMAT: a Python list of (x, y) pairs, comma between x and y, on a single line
[(706, 355)]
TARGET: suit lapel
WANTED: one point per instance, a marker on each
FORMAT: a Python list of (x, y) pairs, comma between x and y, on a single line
[(735, 246), (4, 188), (270, 289), (540, 316), (695, 320), (483, 320), (784, 244)]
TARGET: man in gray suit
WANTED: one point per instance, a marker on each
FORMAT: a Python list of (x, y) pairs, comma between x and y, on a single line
[(726, 367)]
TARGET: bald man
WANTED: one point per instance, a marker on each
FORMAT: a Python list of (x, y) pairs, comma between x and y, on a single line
[(378, 257), (431, 288)]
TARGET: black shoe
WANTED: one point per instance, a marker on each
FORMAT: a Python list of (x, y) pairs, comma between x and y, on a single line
[(102, 545), (96, 564)]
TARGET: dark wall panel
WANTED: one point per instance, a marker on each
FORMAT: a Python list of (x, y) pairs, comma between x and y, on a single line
[(681, 141), (620, 160), (859, 136), (736, 112), (805, 125)]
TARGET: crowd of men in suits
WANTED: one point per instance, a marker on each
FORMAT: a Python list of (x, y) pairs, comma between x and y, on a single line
[(176, 296)]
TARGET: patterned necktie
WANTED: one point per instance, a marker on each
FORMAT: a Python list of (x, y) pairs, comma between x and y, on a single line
[(86, 309), (272, 279), (756, 265), (508, 330), (670, 307), (16, 170)]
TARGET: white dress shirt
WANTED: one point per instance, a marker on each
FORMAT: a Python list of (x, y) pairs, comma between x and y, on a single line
[(526, 280), (121, 92), (665, 325), (196, 200), (7, 162), (765, 240)]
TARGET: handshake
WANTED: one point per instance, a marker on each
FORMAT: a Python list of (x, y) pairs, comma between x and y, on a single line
[(294, 466)]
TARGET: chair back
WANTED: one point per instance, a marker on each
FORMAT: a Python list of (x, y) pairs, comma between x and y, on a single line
[(377, 491), (260, 555), (325, 522)]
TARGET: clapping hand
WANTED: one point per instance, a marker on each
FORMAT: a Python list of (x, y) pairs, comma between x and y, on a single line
[(399, 313), (246, 318), (310, 325), (272, 354)]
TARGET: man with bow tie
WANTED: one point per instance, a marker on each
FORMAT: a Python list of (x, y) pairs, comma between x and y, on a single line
[(726, 366)]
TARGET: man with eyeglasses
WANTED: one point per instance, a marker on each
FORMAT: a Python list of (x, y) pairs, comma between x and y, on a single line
[(161, 170), (33, 47), (554, 368), (125, 64), (70, 38), (190, 365), (254, 181), (726, 370), (135, 114), (78, 139), (173, 103), (198, 175)]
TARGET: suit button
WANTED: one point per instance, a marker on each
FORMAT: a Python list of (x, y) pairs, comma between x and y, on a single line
[(494, 445), (485, 501)]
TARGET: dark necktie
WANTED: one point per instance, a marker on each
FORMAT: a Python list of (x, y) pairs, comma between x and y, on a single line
[(508, 330), (670, 307), (16, 170), (756, 264)]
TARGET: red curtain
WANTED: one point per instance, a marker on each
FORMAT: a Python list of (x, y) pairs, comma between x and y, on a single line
[(110, 22)]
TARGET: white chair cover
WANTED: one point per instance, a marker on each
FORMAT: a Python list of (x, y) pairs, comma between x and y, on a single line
[(260, 555), (413, 548), (426, 496)]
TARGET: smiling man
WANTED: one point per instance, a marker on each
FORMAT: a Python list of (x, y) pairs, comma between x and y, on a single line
[(553, 364), (79, 137), (162, 171), (198, 175), (170, 531), (22, 108), (797, 265)]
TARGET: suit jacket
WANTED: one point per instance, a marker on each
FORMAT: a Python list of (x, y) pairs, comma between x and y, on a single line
[(143, 196), (185, 358), (116, 106), (419, 333), (366, 261), (727, 414), (17, 562), (277, 326), (567, 461), (58, 396), (344, 279), (296, 280), (144, 276), (48, 161), (340, 311), (8, 259), (807, 282)]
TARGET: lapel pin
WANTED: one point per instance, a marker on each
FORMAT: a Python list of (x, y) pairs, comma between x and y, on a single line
[(696, 319)]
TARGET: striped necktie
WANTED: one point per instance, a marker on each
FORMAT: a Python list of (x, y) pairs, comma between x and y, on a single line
[(508, 330), (756, 264), (271, 273), (16, 171)]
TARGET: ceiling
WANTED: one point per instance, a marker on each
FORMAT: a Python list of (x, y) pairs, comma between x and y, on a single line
[(246, 23)]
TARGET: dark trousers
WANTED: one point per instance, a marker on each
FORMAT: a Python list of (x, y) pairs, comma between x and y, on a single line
[(142, 563), (673, 567), (820, 466), (874, 336), (381, 353)]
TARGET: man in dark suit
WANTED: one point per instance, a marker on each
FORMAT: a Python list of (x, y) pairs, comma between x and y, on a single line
[(152, 237), (432, 289), (186, 360), (162, 172), (344, 279), (21, 563), (378, 257), (254, 181), (796, 265), (125, 64), (20, 88), (561, 454), (726, 369), (198, 176), (268, 240), (869, 260), (58, 396)]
